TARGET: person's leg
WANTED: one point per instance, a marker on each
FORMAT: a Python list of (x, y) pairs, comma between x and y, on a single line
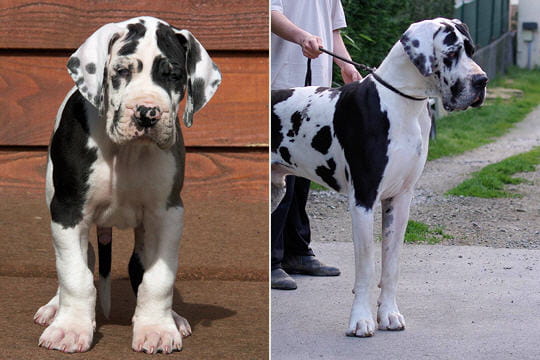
[(298, 257), (279, 278)]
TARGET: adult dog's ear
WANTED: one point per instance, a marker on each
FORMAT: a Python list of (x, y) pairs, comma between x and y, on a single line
[(203, 76), (86, 66), (417, 42)]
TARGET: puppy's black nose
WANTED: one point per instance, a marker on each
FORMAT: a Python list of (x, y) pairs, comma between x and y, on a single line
[(479, 81), (146, 116)]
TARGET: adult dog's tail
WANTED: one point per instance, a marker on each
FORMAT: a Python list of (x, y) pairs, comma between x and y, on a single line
[(104, 236)]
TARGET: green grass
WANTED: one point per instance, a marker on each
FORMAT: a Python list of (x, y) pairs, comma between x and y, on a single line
[(491, 180), (418, 232), (466, 130)]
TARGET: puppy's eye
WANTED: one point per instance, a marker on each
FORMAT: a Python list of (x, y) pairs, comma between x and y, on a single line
[(122, 71)]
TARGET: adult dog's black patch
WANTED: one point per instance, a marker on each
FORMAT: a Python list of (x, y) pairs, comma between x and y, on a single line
[(276, 137), (322, 140), (135, 33), (362, 131), (456, 90), (285, 154), (296, 121), (71, 159), (326, 173)]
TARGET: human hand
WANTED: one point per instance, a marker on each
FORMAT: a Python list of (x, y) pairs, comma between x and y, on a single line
[(310, 46), (349, 73)]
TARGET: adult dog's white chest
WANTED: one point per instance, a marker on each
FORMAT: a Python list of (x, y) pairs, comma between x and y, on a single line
[(407, 143), (127, 182)]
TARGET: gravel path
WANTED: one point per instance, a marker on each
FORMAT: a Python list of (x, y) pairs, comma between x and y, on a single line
[(511, 223)]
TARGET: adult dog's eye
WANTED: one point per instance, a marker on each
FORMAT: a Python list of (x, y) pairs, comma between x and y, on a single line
[(452, 54)]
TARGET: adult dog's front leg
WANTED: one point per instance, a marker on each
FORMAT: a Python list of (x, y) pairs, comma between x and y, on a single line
[(154, 326), (73, 325), (361, 322), (395, 215)]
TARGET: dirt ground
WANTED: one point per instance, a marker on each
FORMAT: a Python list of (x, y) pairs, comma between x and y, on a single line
[(507, 222)]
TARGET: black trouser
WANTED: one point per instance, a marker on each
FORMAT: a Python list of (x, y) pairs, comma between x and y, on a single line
[(290, 224)]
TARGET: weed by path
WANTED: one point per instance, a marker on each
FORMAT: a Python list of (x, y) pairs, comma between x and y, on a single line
[(491, 180)]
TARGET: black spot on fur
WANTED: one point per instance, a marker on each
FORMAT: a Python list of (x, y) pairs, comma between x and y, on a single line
[(296, 121), (322, 140), (91, 68), (415, 43), (450, 39), (73, 64), (169, 71), (71, 159), (131, 41), (197, 92), (285, 154), (346, 175), (136, 271), (179, 152), (364, 140), (420, 62), (139, 65), (290, 133), (326, 173), (114, 38), (456, 90), (277, 96)]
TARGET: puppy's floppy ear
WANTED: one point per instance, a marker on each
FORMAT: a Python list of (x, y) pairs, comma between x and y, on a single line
[(87, 64), (203, 76), (417, 42)]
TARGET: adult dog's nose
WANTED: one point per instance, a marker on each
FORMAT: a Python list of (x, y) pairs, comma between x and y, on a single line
[(479, 81), (147, 116)]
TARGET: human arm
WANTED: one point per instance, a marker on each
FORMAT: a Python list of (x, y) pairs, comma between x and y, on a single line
[(348, 71), (284, 28)]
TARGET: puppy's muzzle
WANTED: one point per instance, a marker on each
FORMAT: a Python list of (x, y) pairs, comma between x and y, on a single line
[(146, 116)]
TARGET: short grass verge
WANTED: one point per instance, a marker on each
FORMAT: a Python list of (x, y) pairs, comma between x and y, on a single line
[(466, 130), (491, 180), (418, 232)]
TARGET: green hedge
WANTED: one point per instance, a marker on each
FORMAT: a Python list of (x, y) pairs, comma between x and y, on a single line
[(373, 26)]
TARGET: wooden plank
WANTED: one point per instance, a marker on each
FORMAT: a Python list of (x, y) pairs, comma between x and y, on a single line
[(241, 175), (33, 87), (65, 24)]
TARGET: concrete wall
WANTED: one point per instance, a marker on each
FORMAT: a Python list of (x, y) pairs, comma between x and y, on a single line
[(529, 10)]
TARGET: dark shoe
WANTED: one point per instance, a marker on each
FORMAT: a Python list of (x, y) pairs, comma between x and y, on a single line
[(282, 281), (308, 265)]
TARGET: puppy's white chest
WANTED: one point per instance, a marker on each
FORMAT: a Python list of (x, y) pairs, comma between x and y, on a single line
[(128, 184)]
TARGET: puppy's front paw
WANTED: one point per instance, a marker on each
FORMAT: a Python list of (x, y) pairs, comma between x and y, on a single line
[(160, 337), (45, 314), (182, 324), (68, 335), (361, 328), (389, 318)]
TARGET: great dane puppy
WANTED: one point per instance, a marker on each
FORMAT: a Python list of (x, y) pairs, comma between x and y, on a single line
[(116, 158), (370, 142)]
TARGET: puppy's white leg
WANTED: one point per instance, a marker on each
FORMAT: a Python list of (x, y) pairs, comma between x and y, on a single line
[(395, 215), (154, 327), (73, 326), (361, 322), (45, 314)]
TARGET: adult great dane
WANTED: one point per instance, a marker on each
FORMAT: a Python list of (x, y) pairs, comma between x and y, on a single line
[(370, 141), (116, 158)]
